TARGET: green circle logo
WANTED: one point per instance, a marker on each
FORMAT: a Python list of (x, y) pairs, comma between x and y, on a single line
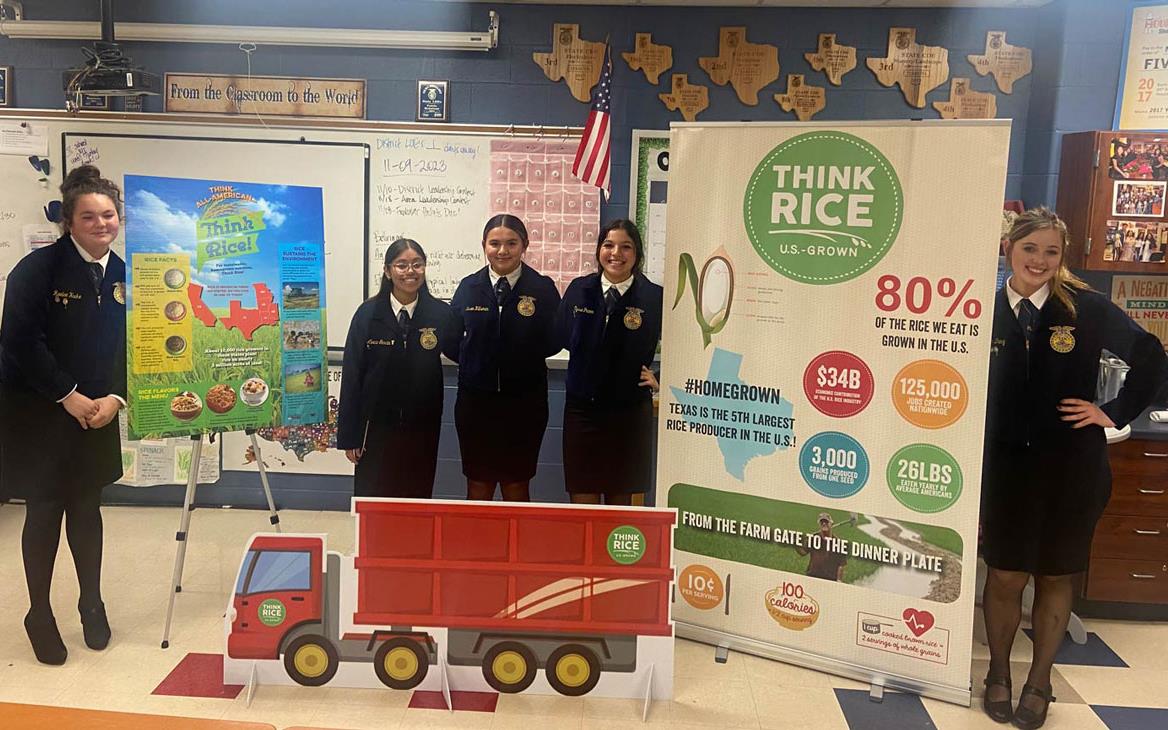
[(924, 478), (626, 545), (272, 612), (823, 207)]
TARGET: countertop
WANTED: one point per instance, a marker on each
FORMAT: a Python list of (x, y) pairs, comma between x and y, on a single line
[(1144, 428)]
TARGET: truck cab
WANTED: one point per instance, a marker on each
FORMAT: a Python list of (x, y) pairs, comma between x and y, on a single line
[(279, 588)]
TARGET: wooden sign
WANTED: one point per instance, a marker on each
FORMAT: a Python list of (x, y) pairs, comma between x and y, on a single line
[(273, 96), (746, 66), (573, 59), (805, 100), (691, 99), (833, 59), (1007, 63), (915, 68), (649, 57), (965, 103)]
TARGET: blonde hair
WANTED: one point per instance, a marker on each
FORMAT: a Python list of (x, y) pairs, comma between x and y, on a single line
[(1063, 281)]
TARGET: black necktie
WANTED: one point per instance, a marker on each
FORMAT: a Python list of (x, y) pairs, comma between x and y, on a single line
[(1027, 318), (502, 290), (611, 299), (403, 319), (96, 274)]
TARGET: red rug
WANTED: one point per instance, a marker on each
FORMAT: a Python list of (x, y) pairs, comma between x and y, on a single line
[(199, 675), (466, 701)]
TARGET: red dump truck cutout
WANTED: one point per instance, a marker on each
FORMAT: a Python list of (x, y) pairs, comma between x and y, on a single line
[(513, 589)]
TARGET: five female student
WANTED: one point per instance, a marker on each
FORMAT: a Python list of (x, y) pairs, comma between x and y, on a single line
[(390, 411), (1046, 478), (610, 322), (507, 313), (62, 383)]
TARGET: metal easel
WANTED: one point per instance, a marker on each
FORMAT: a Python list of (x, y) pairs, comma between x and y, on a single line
[(188, 507)]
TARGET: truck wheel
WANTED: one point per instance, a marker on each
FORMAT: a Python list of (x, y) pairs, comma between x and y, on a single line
[(400, 663), (509, 667), (573, 670), (311, 660)]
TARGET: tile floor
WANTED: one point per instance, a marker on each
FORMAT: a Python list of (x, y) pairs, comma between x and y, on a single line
[(1116, 681)]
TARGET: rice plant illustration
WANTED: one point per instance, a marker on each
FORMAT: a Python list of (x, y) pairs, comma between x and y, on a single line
[(713, 291)]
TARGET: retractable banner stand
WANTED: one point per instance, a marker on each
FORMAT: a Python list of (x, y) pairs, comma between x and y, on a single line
[(825, 349)]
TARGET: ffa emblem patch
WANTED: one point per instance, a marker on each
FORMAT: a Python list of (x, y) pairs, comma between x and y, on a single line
[(526, 306), (1061, 339), (428, 339), (120, 292), (633, 318)]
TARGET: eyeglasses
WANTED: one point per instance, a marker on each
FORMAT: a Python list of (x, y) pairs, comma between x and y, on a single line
[(403, 266)]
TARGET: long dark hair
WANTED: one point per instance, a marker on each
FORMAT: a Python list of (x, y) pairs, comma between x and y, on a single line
[(510, 222), (86, 180), (630, 228), (397, 248)]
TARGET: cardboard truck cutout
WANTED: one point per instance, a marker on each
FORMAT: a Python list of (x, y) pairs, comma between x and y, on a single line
[(491, 593)]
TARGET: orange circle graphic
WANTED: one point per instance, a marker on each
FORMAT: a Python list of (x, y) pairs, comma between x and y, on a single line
[(930, 394)]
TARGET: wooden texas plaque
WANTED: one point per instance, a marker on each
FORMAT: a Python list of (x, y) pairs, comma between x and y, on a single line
[(965, 103), (1007, 63), (805, 100), (915, 68), (746, 66), (649, 57), (691, 99), (572, 59), (833, 59)]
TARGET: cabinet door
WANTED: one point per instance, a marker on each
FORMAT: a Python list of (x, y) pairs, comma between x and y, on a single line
[(1130, 581), (1128, 228)]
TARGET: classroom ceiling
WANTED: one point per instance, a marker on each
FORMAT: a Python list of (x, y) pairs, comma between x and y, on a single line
[(793, 3)]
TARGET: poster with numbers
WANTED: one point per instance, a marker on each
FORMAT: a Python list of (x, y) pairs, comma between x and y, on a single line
[(1142, 100), (827, 339), (649, 195)]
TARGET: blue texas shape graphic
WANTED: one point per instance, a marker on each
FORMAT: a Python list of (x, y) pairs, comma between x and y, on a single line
[(760, 414)]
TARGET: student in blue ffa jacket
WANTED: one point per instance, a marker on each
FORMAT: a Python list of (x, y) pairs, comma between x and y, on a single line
[(62, 383), (1046, 477), (390, 411), (507, 311), (610, 322)]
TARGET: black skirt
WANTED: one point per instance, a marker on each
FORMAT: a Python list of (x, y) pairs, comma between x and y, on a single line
[(45, 455), (499, 435), (399, 461), (1040, 503), (608, 449)]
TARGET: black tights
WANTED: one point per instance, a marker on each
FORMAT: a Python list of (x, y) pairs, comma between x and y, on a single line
[(42, 535), (1002, 603)]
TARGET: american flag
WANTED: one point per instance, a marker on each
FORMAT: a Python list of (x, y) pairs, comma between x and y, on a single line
[(592, 157)]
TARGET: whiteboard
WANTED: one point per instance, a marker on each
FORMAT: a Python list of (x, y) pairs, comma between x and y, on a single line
[(339, 169)]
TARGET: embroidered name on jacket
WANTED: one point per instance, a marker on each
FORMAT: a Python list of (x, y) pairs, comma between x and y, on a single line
[(582, 310), (64, 297), (381, 343), (478, 308)]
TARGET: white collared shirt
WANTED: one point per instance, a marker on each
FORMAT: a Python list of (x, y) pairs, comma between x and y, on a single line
[(1038, 298), (621, 288), (104, 260), (511, 278), (398, 306)]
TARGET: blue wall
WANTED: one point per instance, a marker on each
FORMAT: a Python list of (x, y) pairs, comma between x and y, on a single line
[(1076, 43)]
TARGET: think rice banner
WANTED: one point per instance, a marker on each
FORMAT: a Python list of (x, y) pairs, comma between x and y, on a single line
[(226, 306), (825, 355)]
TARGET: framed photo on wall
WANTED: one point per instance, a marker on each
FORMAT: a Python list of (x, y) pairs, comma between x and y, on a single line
[(5, 86), (1138, 199)]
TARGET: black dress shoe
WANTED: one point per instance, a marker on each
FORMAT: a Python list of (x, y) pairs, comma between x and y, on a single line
[(1028, 719), (96, 627), (45, 639), (1001, 710)]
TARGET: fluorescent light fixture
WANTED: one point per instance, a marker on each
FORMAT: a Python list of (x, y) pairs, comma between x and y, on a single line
[(260, 35)]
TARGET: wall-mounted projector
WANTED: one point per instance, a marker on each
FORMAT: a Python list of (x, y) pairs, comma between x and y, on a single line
[(107, 72)]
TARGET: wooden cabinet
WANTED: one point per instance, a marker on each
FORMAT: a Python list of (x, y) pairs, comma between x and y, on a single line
[(1129, 554), (1111, 193)]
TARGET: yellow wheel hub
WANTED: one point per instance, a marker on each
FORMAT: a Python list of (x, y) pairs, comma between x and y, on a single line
[(572, 670), (509, 667), (401, 663), (311, 660)]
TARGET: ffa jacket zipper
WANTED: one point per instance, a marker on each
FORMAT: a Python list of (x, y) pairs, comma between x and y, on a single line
[(499, 339)]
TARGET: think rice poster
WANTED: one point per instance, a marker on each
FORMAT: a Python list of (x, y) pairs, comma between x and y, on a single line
[(226, 306), (825, 355)]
